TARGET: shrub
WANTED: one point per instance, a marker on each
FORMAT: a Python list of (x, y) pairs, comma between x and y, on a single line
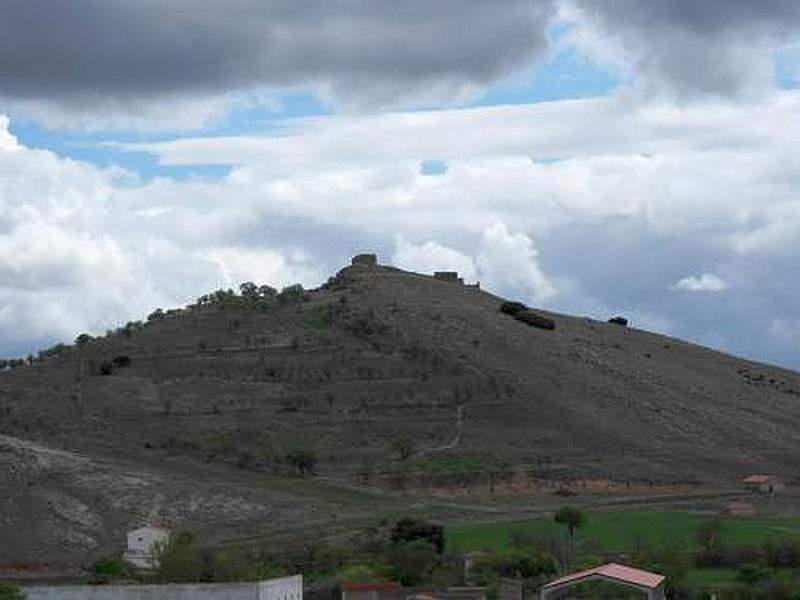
[(535, 320), (121, 360), (782, 554), (106, 570), (302, 459), (106, 368), (512, 308), (410, 530), (10, 591), (619, 321), (752, 574)]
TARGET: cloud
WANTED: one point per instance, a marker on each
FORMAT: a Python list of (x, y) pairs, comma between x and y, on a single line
[(505, 262), (128, 56), (433, 256), (685, 47), (78, 254), (509, 262), (707, 282), (636, 184)]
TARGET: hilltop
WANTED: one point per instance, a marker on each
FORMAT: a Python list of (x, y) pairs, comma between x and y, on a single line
[(396, 389)]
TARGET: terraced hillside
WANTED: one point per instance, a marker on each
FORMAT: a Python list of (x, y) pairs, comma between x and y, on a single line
[(401, 387)]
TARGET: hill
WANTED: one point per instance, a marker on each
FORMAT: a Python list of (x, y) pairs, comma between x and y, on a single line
[(398, 390)]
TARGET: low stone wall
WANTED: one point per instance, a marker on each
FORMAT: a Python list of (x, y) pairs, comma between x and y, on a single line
[(288, 588), (234, 591)]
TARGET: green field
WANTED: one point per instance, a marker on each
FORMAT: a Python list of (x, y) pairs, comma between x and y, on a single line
[(623, 531)]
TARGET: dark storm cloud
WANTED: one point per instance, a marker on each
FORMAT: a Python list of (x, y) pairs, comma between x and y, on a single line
[(709, 17), (707, 46), (119, 48)]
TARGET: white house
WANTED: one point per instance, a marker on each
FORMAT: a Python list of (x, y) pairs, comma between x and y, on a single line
[(144, 544)]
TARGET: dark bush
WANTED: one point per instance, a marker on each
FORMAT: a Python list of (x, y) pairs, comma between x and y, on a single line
[(106, 368), (535, 320), (782, 554), (512, 308), (410, 530), (121, 361), (619, 321)]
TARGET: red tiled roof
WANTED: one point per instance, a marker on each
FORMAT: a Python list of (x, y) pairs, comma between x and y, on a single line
[(614, 571), (757, 479), (352, 586)]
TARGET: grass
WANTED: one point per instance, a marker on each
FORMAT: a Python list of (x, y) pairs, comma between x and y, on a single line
[(619, 531), (713, 577)]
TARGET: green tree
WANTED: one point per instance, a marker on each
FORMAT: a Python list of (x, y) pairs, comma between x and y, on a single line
[(707, 534), (10, 591), (412, 563), (179, 560), (248, 289), (572, 518), (403, 446)]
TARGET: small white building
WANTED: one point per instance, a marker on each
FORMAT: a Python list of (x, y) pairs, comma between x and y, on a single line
[(144, 544)]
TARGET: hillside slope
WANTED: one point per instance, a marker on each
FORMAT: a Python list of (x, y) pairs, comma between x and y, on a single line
[(395, 382)]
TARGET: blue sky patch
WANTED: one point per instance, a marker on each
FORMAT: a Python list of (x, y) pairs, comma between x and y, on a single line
[(433, 167)]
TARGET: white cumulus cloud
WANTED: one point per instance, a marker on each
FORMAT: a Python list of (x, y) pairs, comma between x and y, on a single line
[(707, 282)]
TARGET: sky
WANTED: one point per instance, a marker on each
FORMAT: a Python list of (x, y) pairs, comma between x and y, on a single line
[(595, 158)]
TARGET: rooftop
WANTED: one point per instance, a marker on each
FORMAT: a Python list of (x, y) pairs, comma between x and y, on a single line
[(614, 571)]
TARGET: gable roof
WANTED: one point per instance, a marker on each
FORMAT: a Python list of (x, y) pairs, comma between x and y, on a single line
[(614, 571), (159, 526), (758, 479)]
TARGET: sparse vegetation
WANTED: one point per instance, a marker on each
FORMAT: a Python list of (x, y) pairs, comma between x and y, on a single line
[(235, 380)]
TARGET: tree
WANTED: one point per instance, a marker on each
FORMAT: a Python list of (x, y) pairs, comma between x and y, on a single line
[(248, 289), (267, 292), (291, 294), (10, 591), (707, 534), (412, 562), (403, 445), (571, 518), (83, 339)]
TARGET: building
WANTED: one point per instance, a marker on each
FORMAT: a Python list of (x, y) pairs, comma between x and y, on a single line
[(449, 276), (144, 544), (764, 484), (284, 588), (365, 260), (650, 584)]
